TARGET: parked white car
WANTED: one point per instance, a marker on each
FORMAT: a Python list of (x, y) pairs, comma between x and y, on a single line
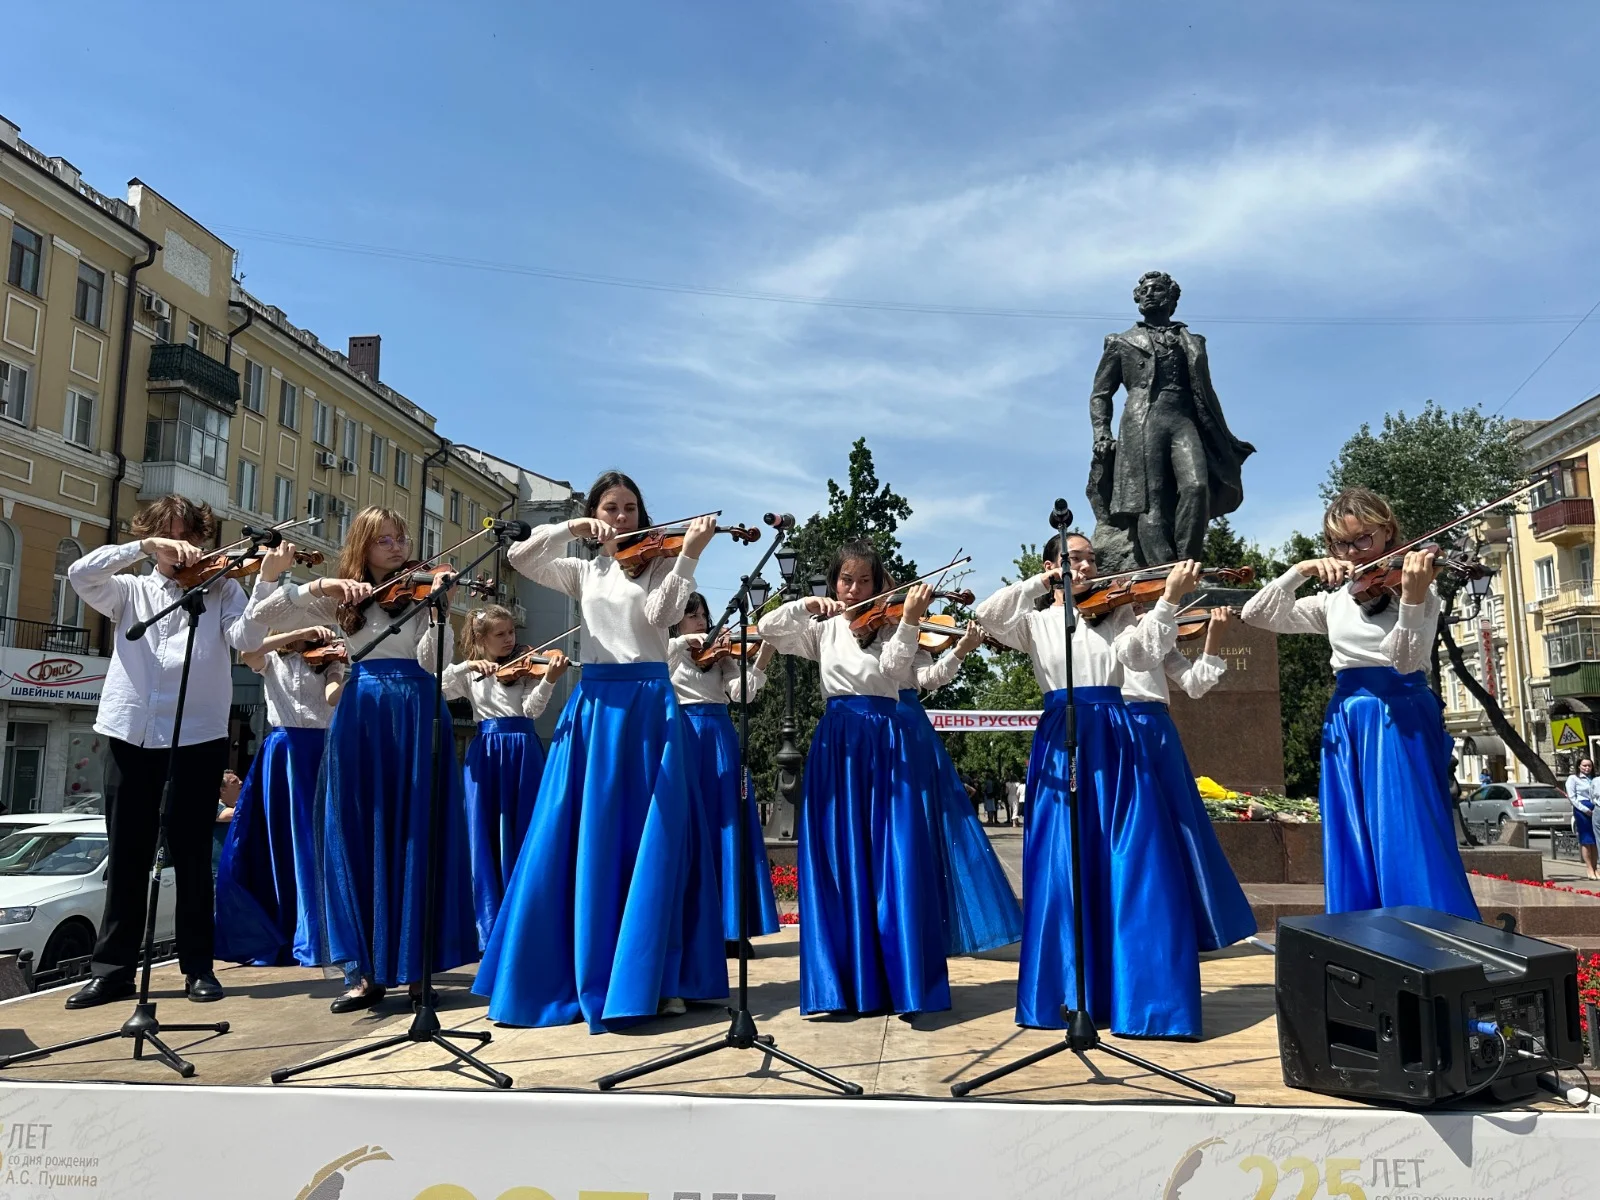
[(1539, 804), (53, 890)]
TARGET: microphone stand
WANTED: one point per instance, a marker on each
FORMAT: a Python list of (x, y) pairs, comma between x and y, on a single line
[(1081, 1034), (741, 1033), (425, 1025), (144, 1026)]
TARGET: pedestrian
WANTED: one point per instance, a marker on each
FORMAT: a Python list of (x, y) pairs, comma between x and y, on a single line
[(991, 799), (1583, 789), (227, 801)]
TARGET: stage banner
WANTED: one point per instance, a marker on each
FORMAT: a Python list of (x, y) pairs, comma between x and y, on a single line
[(968, 720), (118, 1140)]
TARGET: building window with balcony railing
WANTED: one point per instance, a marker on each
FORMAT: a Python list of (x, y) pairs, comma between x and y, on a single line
[(1544, 578), (1573, 641), (1564, 480), (184, 430)]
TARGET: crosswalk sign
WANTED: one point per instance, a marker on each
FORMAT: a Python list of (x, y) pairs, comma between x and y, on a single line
[(1568, 732)]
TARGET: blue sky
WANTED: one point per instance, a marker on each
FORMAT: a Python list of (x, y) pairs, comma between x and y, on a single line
[(1367, 205)]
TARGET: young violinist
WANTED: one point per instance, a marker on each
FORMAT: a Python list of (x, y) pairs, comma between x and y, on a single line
[(374, 796), (1222, 914), (704, 695), (1142, 974), (980, 910), (267, 899), (1387, 832), (871, 928), (137, 705), (598, 923), (505, 760)]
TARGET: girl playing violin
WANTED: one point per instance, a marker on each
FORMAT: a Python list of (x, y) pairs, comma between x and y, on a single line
[(871, 929), (1387, 832), (1222, 914), (713, 761), (505, 761), (267, 901), (1142, 975), (373, 801), (598, 922)]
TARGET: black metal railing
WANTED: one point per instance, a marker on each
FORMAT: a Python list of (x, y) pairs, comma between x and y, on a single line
[(43, 635), (174, 364)]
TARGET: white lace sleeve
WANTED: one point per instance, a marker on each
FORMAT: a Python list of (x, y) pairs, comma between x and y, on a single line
[(791, 630), (754, 676), (1409, 645), (426, 647), (1198, 677), (1274, 607), (897, 653), (537, 698), (542, 560), (457, 681), (670, 590), (933, 673), (1143, 643), (1004, 615)]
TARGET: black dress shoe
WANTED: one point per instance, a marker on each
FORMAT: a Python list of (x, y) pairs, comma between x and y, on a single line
[(356, 1001), (102, 989), (203, 989), (414, 994)]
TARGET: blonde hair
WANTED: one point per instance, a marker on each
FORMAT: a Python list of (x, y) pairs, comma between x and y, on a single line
[(365, 529), (155, 519), (477, 627), (1366, 506)]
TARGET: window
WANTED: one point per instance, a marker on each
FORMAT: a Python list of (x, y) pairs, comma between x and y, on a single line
[(193, 339), (79, 428), (91, 295), (13, 391), (24, 779), (1544, 577), (1583, 562), (27, 250), (255, 390), (376, 449), (318, 506), (181, 429), (1573, 641), (8, 566), (343, 513), (402, 467), (455, 507), (288, 404), (321, 424), (248, 494), (65, 607), (347, 447), (472, 514), (1567, 479), (164, 329), (432, 535), (282, 499)]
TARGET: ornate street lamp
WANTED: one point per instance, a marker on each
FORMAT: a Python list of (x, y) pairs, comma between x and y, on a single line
[(789, 758)]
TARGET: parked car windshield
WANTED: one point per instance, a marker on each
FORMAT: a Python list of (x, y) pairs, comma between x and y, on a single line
[(1540, 791), (40, 852)]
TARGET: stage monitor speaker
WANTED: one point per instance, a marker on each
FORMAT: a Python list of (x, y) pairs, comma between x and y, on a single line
[(1401, 1003)]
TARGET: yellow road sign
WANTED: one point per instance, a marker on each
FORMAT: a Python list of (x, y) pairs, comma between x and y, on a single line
[(1568, 733)]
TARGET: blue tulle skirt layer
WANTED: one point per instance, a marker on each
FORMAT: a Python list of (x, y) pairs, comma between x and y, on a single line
[(714, 775), (1142, 974), (267, 910), (979, 908), (505, 763), (372, 820), (871, 934), (1388, 836), (612, 906), (1222, 913)]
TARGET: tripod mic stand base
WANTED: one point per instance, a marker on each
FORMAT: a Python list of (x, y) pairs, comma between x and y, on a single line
[(425, 1027), (143, 1027)]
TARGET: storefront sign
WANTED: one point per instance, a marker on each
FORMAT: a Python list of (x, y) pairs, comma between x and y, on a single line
[(51, 677), (964, 720)]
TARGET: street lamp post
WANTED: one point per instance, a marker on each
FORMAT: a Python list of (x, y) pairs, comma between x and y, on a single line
[(789, 758)]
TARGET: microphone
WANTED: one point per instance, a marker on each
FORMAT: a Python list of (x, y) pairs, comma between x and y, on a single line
[(784, 521), (511, 531), (1061, 516), (269, 538)]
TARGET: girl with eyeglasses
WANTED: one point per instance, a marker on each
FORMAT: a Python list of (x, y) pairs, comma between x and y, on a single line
[(611, 914), (1388, 835), (374, 795)]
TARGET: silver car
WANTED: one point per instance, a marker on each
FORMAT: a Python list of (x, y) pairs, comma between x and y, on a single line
[(1539, 804)]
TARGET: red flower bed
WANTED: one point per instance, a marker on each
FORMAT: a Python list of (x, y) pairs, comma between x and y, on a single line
[(1544, 883), (786, 882), (788, 918)]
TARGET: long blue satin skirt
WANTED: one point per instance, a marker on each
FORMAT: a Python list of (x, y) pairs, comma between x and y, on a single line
[(1142, 974), (714, 776), (372, 818), (267, 913), (871, 932), (608, 912), (505, 763), (980, 910), (1222, 914), (1388, 835)]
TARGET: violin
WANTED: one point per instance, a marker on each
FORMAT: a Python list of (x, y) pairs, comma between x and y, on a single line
[(529, 665), (636, 551), (1379, 580), (225, 564), (936, 632), (319, 653), (711, 653), (1197, 622), (1146, 587), (412, 582)]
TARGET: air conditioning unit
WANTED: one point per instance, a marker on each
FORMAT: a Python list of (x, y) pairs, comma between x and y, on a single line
[(1532, 606), (326, 459), (347, 466), (156, 306)]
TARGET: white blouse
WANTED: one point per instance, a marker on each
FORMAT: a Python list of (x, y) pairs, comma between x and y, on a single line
[(296, 694), (1195, 678), (1401, 636), (929, 674), (623, 620), (716, 685), (848, 668), (275, 602), (491, 698), (1100, 650)]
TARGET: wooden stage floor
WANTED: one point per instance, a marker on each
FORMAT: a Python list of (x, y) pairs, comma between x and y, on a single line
[(280, 1017)]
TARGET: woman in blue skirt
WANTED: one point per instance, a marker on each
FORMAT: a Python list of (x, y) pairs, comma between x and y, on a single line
[(871, 931), (374, 794), (611, 915), (1222, 914), (505, 760), (1388, 835), (979, 908), (714, 770), (1583, 789), (1142, 974), (267, 912)]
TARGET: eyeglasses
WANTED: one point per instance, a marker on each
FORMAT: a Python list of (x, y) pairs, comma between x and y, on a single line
[(392, 543), (1364, 542)]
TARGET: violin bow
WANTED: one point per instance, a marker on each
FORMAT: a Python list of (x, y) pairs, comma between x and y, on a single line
[(415, 567), (666, 525), (900, 587), (1445, 528), (532, 650)]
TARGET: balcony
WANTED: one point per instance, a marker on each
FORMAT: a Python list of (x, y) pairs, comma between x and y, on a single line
[(177, 368), (17, 634), (1567, 522), (1570, 600), (168, 478)]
